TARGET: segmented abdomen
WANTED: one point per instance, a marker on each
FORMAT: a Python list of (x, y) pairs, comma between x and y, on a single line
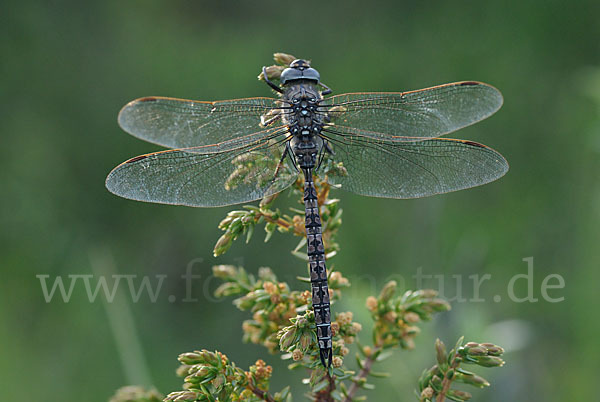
[(318, 270)]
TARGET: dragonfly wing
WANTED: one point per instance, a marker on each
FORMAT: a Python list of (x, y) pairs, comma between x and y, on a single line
[(413, 169), (180, 123), (208, 179), (409, 116)]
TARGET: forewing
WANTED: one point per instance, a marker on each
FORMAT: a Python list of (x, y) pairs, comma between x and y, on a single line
[(407, 116), (413, 169), (204, 179), (181, 123)]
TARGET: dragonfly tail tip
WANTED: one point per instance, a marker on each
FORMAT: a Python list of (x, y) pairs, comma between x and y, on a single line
[(326, 356)]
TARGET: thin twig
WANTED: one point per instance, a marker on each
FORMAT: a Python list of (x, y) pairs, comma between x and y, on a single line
[(281, 222), (362, 374), (446, 383), (325, 395), (264, 395)]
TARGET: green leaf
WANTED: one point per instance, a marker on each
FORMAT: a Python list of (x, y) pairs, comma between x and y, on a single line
[(284, 393), (249, 234), (459, 342), (465, 372), (301, 255), (384, 355), (359, 362), (208, 378), (320, 386), (379, 375), (269, 232)]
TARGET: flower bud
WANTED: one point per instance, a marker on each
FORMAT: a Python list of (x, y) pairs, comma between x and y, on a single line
[(440, 352), (388, 291), (190, 358), (411, 317), (224, 271), (297, 355), (476, 351), (182, 396), (457, 395), (223, 244), (269, 198), (493, 350), (426, 293), (436, 383), (489, 361), (427, 393), (337, 361), (287, 339), (283, 58), (371, 304), (473, 379), (305, 341)]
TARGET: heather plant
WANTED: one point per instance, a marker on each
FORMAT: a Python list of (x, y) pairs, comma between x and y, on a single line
[(281, 319)]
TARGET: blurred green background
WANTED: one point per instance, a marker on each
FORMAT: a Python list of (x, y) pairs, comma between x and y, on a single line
[(69, 66)]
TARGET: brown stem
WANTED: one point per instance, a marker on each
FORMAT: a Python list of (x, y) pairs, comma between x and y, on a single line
[(264, 395), (280, 222), (362, 374), (325, 395), (445, 388), (446, 383)]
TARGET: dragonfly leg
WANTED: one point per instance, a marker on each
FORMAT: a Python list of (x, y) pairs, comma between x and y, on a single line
[(327, 90), (328, 150), (288, 151), (321, 157), (268, 81), (270, 118)]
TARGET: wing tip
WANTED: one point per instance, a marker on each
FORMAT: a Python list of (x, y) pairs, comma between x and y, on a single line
[(147, 99), (135, 159), (125, 109), (467, 83), (473, 144)]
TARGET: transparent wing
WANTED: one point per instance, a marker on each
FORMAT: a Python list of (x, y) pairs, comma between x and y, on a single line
[(406, 116), (205, 179), (181, 123), (413, 169)]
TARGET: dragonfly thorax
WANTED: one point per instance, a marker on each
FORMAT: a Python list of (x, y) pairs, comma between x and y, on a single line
[(306, 150), (305, 122)]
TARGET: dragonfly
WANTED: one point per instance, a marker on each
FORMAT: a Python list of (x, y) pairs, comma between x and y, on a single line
[(386, 144)]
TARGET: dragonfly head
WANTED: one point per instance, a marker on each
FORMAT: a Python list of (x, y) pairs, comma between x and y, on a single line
[(299, 70)]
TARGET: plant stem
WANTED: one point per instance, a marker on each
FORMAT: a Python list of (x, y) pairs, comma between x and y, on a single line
[(362, 374), (264, 395), (279, 222), (325, 395), (446, 383), (445, 387)]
